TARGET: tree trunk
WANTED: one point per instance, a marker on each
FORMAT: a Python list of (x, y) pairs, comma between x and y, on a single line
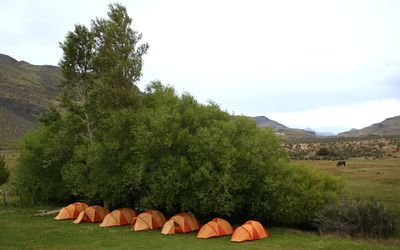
[(106, 205), (33, 196), (4, 198), (20, 199), (89, 128)]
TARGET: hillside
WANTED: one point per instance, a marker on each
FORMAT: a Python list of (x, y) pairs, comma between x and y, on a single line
[(282, 130), (265, 122), (25, 91), (390, 126)]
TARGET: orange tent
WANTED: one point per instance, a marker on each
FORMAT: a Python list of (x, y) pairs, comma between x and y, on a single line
[(148, 220), (215, 228), (181, 223), (71, 211), (251, 230), (118, 217), (92, 214)]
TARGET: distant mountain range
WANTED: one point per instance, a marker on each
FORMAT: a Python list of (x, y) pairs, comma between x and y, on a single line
[(25, 91), (390, 126), (319, 133)]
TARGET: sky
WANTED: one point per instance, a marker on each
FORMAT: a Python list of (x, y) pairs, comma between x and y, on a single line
[(326, 65)]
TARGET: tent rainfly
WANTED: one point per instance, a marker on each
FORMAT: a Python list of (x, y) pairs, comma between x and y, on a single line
[(181, 223), (118, 217), (92, 214), (148, 220), (215, 228), (71, 211), (251, 230)]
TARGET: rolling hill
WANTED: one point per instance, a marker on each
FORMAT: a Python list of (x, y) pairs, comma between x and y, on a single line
[(25, 91), (390, 126)]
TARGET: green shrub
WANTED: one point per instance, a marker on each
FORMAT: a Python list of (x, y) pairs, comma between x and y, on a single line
[(291, 196), (323, 152), (356, 218)]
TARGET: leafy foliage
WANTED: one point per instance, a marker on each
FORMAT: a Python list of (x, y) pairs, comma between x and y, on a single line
[(4, 173), (291, 196), (44, 151), (356, 218)]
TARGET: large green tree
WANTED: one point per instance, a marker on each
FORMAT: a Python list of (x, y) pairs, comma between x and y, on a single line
[(156, 149), (77, 71), (100, 67), (197, 158)]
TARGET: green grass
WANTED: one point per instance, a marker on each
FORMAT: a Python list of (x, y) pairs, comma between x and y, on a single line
[(19, 230), (365, 178)]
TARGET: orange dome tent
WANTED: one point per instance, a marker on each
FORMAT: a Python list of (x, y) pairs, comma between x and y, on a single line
[(181, 223), (251, 230), (92, 214), (71, 211), (148, 220), (215, 228), (118, 217)]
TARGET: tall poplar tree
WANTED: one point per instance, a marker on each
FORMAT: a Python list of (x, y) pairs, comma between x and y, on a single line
[(100, 67)]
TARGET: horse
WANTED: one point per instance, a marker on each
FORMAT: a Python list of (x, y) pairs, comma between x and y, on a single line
[(341, 163)]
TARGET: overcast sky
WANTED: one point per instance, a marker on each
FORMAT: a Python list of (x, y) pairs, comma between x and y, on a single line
[(328, 65)]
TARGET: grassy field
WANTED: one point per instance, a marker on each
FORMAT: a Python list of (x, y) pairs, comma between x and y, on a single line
[(19, 230), (365, 178)]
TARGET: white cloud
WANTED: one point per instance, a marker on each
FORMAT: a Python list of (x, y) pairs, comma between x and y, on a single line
[(340, 117)]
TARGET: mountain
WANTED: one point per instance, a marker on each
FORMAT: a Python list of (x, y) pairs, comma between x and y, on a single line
[(319, 133), (390, 126), (282, 130), (265, 122), (25, 91)]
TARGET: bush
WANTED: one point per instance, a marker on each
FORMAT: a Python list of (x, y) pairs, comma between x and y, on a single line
[(291, 196), (4, 173), (323, 152), (356, 218)]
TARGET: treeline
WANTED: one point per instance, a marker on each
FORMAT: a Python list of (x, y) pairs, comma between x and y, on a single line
[(112, 144)]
